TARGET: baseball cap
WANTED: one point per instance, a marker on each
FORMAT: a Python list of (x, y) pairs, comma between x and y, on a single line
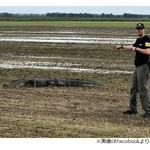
[(140, 26)]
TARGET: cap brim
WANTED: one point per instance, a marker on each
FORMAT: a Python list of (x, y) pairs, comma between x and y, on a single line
[(139, 28)]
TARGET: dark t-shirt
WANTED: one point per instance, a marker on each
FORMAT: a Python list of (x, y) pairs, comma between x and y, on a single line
[(144, 43)]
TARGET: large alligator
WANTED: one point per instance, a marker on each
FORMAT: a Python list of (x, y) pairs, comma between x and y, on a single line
[(45, 82)]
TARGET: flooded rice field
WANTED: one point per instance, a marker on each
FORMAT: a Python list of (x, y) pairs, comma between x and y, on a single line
[(72, 40), (62, 37)]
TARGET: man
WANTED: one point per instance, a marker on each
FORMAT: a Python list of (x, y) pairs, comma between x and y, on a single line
[(141, 71)]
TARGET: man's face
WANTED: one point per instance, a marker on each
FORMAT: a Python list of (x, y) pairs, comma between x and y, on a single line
[(140, 32)]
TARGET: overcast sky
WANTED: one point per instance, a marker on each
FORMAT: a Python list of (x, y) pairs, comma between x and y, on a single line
[(76, 9)]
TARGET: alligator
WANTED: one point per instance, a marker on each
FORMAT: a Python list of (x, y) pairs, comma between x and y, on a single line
[(45, 82)]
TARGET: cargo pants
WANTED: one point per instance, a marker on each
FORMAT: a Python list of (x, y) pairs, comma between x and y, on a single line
[(139, 85)]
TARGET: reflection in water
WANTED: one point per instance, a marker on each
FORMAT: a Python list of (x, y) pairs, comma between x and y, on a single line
[(57, 66), (70, 40)]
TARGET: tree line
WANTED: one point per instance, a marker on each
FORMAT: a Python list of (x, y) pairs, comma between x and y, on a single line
[(103, 15), (73, 15)]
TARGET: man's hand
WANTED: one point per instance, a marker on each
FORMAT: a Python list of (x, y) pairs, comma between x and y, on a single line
[(119, 47), (134, 48), (129, 47)]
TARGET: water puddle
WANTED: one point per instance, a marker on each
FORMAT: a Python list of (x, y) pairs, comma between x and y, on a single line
[(69, 40), (57, 66), (8, 63)]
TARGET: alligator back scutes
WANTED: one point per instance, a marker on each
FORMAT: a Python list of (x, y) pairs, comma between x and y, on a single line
[(44, 82)]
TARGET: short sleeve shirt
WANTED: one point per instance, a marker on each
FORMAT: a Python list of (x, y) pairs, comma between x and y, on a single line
[(140, 58)]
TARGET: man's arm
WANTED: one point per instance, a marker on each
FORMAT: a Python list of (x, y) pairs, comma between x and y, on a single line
[(129, 47), (144, 51)]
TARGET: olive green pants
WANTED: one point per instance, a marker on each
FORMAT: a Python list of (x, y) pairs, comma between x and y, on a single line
[(139, 85)]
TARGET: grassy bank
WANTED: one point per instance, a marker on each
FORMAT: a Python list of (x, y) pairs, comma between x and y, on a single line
[(73, 23)]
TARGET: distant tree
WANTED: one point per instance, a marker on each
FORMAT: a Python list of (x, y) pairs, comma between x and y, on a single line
[(5, 14)]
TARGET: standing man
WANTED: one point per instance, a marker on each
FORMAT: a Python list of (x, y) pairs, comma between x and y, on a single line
[(141, 71)]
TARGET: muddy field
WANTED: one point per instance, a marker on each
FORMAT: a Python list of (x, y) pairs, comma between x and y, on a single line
[(68, 52)]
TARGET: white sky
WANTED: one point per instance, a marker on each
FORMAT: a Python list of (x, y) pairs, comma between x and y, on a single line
[(77, 9), (76, 6), (74, 3)]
